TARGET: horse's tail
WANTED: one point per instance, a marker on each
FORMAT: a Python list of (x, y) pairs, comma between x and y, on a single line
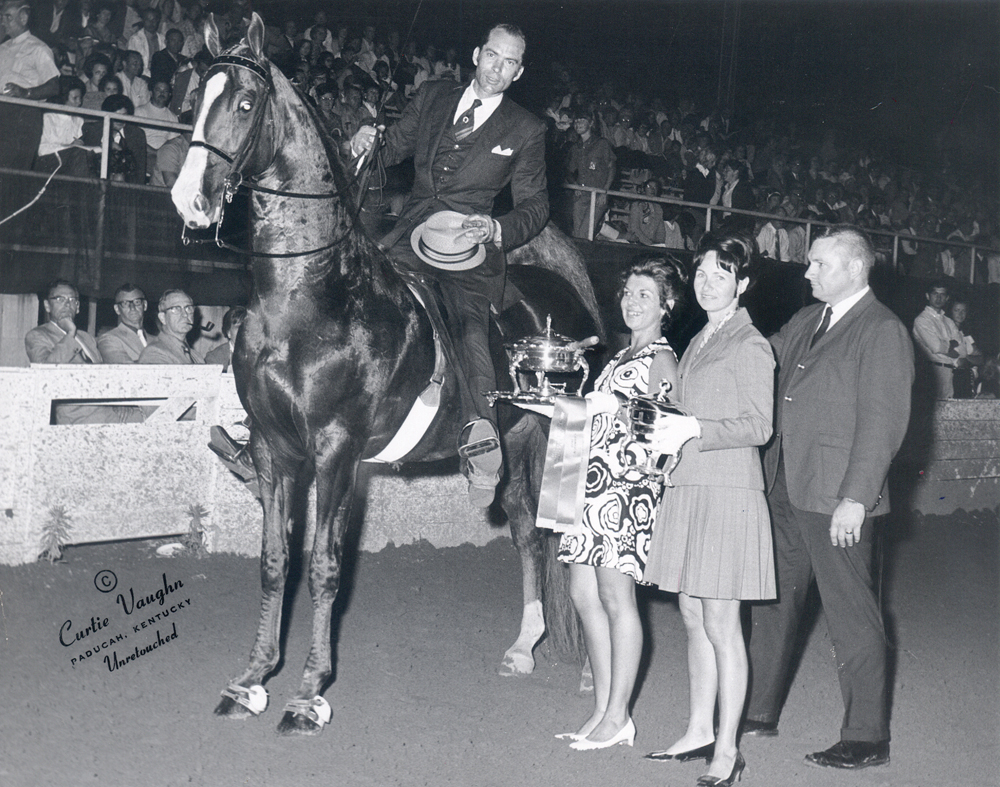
[(552, 250), (565, 634)]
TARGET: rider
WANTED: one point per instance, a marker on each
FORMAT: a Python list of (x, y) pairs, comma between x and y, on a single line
[(468, 142)]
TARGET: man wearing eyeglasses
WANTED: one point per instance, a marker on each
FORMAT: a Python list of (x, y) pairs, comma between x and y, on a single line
[(176, 315), (58, 340), (125, 342)]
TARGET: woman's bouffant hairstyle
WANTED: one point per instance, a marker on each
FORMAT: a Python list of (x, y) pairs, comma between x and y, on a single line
[(735, 253), (669, 275)]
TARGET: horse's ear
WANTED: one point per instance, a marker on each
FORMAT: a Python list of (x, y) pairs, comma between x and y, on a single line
[(212, 41), (255, 36)]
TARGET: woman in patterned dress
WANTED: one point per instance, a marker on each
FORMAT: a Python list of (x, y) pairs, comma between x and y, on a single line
[(712, 539), (607, 552)]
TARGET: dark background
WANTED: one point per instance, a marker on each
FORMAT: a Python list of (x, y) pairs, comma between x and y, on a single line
[(906, 78)]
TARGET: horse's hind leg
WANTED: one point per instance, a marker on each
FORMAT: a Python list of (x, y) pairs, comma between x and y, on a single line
[(525, 450), (308, 711), (244, 696)]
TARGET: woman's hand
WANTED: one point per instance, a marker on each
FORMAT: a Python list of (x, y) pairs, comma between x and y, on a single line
[(672, 431)]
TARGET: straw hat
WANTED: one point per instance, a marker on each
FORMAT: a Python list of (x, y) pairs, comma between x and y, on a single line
[(440, 242)]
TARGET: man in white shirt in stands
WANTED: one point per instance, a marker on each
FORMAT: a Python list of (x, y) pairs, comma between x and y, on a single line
[(157, 138), (134, 84), (147, 41), (27, 70), (940, 339)]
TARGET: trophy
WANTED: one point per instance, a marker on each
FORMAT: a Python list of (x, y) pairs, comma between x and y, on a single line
[(645, 415), (537, 357)]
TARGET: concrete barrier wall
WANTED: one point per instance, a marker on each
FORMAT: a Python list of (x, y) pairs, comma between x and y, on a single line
[(952, 459), (121, 481)]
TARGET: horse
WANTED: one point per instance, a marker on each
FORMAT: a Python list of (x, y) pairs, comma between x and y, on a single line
[(333, 353)]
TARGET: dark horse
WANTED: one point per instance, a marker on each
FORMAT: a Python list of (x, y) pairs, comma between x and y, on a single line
[(334, 351)]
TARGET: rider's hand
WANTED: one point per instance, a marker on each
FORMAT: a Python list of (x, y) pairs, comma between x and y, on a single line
[(362, 140), (479, 228)]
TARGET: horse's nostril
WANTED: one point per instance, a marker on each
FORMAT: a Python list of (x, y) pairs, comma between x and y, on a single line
[(201, 204)]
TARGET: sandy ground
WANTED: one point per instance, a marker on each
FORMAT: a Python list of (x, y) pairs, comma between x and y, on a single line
[(416, 699)]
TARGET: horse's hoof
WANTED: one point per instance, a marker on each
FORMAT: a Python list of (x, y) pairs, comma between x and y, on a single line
[(587, 680), (230, 709), (294, 724), (305, 717), (239, 702), (515, 665)]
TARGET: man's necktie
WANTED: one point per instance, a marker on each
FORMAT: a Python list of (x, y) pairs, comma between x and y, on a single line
[(823, 325), (466, 122), (187, 354)]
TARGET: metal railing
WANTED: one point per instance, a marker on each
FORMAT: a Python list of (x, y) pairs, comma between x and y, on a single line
[(809, 223), (106, 118)]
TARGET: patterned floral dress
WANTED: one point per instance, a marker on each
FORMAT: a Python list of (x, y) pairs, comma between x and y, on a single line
[(619, 506)]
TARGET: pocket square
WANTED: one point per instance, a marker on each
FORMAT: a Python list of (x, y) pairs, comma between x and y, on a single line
[(502, 151)]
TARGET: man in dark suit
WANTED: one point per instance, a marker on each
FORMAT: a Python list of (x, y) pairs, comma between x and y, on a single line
[(468, 143), (845, 370)]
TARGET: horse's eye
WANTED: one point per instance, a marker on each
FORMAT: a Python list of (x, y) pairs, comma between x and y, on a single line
[(245, 105)]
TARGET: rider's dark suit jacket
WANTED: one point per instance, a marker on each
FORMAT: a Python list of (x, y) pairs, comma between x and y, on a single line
[(509, 148)]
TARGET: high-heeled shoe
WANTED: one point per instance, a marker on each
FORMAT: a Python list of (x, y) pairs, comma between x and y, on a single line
[(625, 735), (705, 753), (569, 736), (734, 776)]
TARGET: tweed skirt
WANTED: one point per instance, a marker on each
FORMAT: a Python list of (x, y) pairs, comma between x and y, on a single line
[(712, 542)]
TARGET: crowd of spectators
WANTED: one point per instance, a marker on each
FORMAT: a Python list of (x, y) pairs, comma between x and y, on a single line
[(756, 163), (152, 53)]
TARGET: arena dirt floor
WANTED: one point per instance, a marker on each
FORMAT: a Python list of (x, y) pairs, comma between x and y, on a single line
[(417, 700)]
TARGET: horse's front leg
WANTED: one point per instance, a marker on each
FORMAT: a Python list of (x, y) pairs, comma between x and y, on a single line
[(245, 695), (308, 711)]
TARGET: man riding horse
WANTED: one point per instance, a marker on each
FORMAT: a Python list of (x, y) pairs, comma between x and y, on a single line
[(467, 144)]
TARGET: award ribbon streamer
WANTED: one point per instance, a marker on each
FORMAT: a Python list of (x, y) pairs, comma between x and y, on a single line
[(564, 478)]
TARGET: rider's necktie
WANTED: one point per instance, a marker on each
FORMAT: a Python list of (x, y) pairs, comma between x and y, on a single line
[(466, 122)]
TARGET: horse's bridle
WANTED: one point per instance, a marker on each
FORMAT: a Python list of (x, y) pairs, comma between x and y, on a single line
[(234, 179)]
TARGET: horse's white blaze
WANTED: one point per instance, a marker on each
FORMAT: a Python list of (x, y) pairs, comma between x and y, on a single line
[(188, 186)]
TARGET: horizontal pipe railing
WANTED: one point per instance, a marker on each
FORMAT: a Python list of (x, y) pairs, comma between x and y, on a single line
[(106, 119), (809, 223)]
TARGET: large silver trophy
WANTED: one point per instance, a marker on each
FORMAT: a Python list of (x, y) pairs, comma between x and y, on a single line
[(647, 415), (534, 359)]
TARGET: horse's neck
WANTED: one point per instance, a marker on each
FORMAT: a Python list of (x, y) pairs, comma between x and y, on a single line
[(282, 224)]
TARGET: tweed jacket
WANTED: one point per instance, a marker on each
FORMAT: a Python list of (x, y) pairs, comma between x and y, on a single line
[(728, 385), (45, 344), (120, 345), (842, 407), (508, 148)]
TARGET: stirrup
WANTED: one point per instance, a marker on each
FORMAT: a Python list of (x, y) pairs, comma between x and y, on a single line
[(481, 460)]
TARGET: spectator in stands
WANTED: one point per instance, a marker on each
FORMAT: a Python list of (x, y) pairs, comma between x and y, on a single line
[(349, 113), (58, 340), (157, 109), (27, 70), (737, 193), (593, 163), (125, 342), (964, 380), (176, 315), (166, 62), (127, 157), (449, 66), (100, 24), (231, 322), (149, 40), (185, 86), (645, 219), (134, 84), (95, 68), (53, 23), (702, 185), (940, 339), (61, 145)]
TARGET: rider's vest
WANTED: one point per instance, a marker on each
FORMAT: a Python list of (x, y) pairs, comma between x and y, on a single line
[(450, 156)]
